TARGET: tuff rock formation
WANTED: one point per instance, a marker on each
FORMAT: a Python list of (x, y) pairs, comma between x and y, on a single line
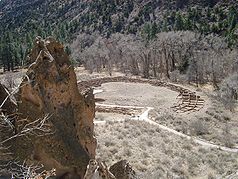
[(50, 88)]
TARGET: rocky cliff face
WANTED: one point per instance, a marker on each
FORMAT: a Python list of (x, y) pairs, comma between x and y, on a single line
[(50, 88)]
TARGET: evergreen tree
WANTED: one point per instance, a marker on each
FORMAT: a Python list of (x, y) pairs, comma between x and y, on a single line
[(179, 24), (154, 30), (68, 50), (22, 53), (29, 41), (9, 54), (165, 25), (146, 32)]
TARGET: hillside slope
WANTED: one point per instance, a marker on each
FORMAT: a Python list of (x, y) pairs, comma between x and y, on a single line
[(108, 16), (22, 20)]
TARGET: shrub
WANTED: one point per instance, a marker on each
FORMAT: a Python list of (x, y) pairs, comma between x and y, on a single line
[(228, 93), (198, 127)]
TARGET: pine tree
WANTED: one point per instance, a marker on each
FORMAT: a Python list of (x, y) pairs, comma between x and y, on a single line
[(146, 32), (154, 30), (165, 25), (68, 50), (22, 52), (179, 24), (9, 54), (29, 41)]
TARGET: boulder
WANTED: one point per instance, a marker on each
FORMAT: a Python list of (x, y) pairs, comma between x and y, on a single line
[(123, 170), (50, 89)]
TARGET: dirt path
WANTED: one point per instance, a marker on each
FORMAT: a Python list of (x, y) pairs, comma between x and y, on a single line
[(145, 117)]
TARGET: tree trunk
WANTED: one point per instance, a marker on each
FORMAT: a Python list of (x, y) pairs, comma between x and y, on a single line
[(146, 65), (8, 66), (172, 62), (214, 79), (12, 66)]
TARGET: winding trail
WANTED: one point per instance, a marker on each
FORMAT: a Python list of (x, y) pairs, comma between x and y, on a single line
[(145, 117)]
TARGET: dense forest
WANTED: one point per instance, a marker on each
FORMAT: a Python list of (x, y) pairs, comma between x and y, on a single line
[(22, 21)]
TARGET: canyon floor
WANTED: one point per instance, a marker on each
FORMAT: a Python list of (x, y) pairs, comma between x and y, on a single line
[(170, 145), (157, 141)]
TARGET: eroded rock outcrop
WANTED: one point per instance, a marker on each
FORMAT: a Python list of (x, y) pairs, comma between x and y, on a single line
[(50, 88)]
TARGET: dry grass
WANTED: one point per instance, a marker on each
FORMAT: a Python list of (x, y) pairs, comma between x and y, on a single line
[(211, 125), (157, 154)]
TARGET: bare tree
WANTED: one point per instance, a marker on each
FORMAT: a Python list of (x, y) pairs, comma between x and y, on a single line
[(202, 58), (228, 93)]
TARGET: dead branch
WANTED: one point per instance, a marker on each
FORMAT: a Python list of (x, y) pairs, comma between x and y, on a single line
[(22, 170), (38, 128)]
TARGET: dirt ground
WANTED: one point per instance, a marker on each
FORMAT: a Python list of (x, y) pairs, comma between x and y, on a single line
[(144, 95)]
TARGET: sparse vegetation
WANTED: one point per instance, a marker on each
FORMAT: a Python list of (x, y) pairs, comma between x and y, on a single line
[(208, 123), (162, 154), (199, 127), (228, 93)]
